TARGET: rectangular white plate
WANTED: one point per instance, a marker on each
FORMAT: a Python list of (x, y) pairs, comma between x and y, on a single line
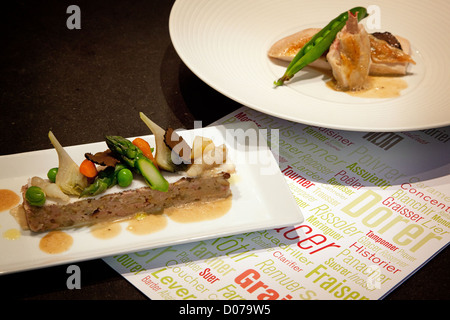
[(261, 199)]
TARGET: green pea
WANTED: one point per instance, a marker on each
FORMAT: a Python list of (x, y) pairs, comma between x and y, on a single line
[(318, 40), (309, 47), (326, 33), (124, 177), (51, 174), (35, 196), (334, 25)]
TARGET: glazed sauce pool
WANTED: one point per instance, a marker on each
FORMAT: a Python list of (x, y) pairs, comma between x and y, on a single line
[(199, 211), (8, 199), (56, 242), (376, 87), (142, 223)]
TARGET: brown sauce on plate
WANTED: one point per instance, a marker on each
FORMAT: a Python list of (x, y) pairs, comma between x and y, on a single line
[(8, 199), (56, 242), (106, 230), (143, 223), (147, 223), (196, 212), (376, 87)]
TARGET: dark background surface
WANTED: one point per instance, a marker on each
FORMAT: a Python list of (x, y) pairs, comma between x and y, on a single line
[(84, 83)]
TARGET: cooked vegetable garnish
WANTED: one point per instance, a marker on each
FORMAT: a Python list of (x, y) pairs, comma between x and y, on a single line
[(178, 146), (51, 174), (69, 178), (35, 196), (88, 169), (104, 180), (50, 189), (124, 177), (163, 154), (133, 157), (145, 148), (318, 44), (104, 158), (151, 174)]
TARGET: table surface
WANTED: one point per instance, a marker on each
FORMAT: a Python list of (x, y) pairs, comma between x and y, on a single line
[(83, 83)]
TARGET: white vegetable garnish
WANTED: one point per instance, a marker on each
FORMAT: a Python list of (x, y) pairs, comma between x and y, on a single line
[(208, 159), (69, 178), (163, 155), (51, 189)]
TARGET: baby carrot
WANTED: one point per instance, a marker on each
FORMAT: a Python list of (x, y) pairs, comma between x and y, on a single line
[(88, 169), (144, 146)]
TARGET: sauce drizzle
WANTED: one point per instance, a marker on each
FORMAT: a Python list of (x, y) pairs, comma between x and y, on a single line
[(375, 87), (56, 242), (106, 230), (144, 223), (8, 199), (202, 211)]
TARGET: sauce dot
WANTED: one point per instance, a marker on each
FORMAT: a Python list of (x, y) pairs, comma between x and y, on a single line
[(202, 211), (8, 199), (147, 223), (106, 230), (11, 234), (56, 242)]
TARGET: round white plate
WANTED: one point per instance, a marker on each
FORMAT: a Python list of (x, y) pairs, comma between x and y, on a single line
[(225, 44)]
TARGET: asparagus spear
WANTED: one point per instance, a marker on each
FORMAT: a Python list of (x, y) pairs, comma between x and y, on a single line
[(132, 156), (104, 180)]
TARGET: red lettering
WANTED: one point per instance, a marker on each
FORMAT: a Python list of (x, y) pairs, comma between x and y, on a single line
[(208, 276), (244, 281), (322, 240), (311, 242)]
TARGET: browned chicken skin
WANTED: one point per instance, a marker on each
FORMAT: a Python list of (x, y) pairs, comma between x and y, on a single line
[(350, 56)]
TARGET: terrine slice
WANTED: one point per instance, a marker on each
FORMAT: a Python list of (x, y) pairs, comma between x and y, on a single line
[(117, 206)]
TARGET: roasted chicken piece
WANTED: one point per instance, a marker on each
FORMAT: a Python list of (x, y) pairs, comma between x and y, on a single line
[(387, 59), (350, 55)]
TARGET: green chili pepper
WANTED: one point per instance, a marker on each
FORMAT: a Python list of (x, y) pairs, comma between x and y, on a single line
[(318, 44)]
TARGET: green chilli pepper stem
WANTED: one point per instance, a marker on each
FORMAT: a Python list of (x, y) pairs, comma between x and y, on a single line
[(318, 44)]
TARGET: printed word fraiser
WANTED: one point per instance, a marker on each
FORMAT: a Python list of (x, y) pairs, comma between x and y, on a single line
[(333, 285)]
